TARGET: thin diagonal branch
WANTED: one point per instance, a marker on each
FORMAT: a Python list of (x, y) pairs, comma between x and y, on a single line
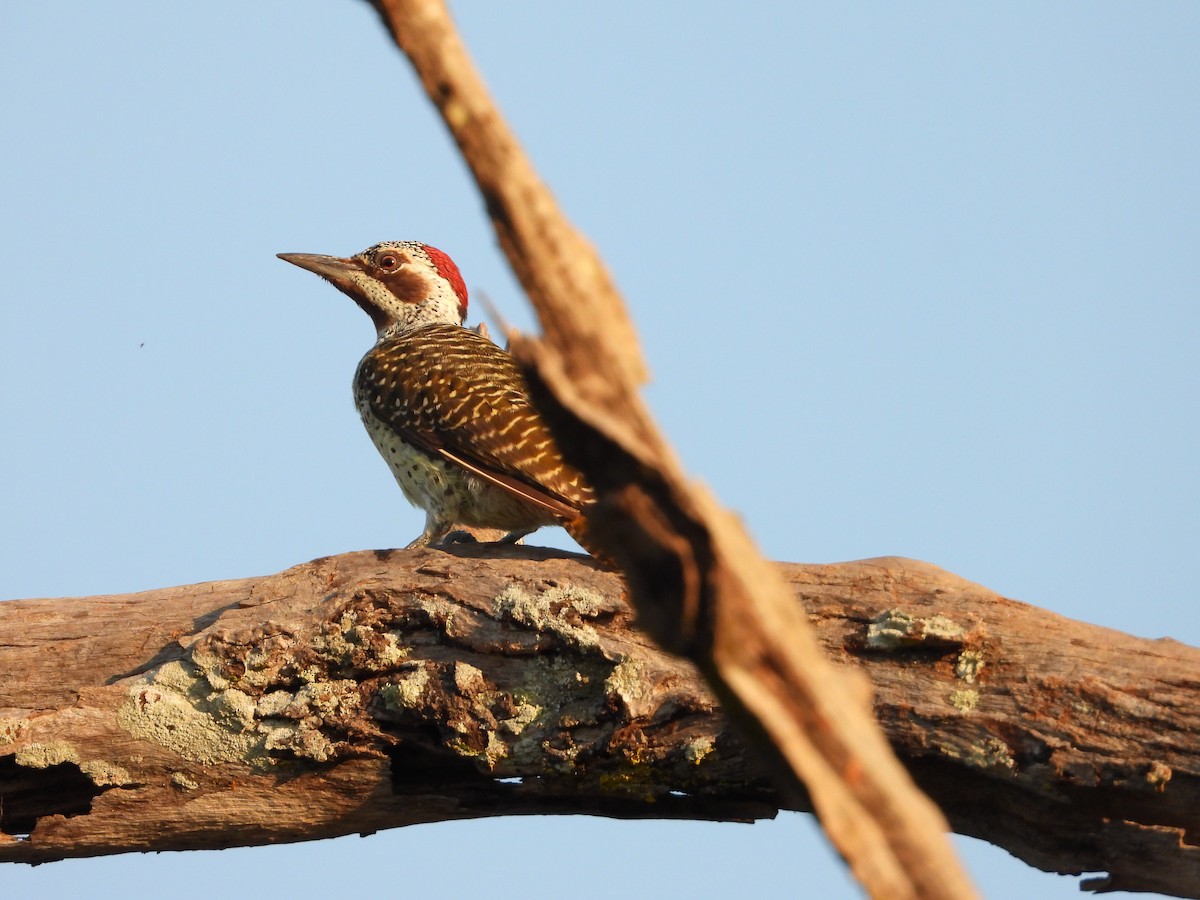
[(697, 581)]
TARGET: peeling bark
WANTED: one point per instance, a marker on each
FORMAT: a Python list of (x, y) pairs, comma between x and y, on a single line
[(379, 689)]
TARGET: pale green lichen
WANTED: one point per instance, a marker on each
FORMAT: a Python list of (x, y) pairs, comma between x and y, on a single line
[(333, 646), (300, 739), (889, 630), (561, 759), (992, 753), (360, 635), (406, 692), (257, 659), (233, 709), (179, 677), (696, 749), (276, 703), (942, 628), (468, 679), (557, 683), (969, 665), (627, 682), (555, 694), (106, 773), (472, 683), (258, 670), (1158, 775), (392, 653), (516, 603), (524, 716), (184, 782), (167, 717), (43, 756), (544, 611), (964, 700), (895, 629), (55, 753), (210, 668), (350, 643), (948, 750), (326, 698), (177, 708), (497, 750)]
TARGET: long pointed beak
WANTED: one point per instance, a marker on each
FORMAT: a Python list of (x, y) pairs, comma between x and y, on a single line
[(344, 274), (334, 268)]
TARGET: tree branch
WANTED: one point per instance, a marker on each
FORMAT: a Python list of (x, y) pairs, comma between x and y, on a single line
[(378, 689), (698, 582)]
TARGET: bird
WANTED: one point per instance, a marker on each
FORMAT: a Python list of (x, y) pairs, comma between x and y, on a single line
[(447, 409)]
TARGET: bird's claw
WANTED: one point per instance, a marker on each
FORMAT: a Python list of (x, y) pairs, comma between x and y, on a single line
[(458, 536)]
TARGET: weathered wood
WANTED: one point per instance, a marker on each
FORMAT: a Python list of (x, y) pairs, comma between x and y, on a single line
[(1074, 747), (347, 695), (378, 689)]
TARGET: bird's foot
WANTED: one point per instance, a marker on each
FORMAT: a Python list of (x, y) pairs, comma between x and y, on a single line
[(462, 536), (458, 536), (514, 537)]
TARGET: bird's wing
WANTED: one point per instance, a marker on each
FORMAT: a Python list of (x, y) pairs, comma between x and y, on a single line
[(534, 495), (455, 394)]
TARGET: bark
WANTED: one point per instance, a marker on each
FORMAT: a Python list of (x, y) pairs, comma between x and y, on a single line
[(388, 688)]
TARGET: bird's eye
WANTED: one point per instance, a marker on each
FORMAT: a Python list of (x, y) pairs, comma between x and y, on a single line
[(389, 262)]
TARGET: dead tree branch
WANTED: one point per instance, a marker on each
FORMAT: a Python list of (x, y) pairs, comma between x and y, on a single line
[(379, 689), (695, 577)]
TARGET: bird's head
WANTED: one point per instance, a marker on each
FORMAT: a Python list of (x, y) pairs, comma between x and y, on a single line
[(401, 285)]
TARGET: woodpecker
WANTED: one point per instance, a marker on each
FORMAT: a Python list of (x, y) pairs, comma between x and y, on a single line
[(447, 409)]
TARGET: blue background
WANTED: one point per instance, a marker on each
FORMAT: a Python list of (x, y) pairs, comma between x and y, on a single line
[(915, 279)]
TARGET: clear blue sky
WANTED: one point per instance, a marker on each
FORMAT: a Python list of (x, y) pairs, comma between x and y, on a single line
[(915, 279)]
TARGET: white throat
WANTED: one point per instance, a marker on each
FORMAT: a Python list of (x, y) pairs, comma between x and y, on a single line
[(410, 316)]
